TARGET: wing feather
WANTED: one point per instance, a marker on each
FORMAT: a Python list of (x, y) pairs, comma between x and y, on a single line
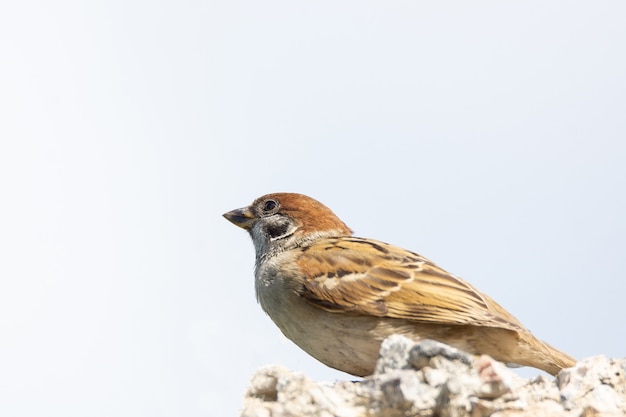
[(370, 277)]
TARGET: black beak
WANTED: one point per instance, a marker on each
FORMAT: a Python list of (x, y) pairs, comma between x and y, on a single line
[(242, 217)]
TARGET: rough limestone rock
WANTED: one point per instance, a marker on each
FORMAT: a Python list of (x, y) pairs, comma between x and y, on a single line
[(433, 379)]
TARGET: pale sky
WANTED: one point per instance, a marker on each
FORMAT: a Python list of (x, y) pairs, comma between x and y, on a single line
[(488, 136)]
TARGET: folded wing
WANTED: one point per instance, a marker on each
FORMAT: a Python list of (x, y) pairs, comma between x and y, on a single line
[(357, 275)]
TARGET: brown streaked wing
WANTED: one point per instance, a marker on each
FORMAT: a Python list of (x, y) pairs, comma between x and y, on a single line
[(370, 277)]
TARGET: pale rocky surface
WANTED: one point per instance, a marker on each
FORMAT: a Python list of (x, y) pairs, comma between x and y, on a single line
[(433, 379)]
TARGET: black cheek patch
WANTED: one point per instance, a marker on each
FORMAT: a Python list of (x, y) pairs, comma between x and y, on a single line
[(277, 229)]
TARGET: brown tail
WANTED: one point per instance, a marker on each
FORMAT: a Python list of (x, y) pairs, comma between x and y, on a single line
[(557, 360), (548, 358)]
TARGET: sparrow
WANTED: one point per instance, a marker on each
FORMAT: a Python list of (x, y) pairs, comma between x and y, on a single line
[(338, 297)]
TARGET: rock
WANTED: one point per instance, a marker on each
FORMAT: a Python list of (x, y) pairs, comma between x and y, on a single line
[(596, 383), (433, 379)]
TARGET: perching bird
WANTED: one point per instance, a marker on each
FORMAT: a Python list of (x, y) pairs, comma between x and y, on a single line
[(338, 296)]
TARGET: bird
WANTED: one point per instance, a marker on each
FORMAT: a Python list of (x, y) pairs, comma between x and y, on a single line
[(338, 296)]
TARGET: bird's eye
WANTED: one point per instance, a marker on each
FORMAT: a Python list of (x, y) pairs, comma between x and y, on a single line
[(269, 207)]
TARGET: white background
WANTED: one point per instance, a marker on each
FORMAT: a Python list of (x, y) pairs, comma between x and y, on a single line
[(489, 136)]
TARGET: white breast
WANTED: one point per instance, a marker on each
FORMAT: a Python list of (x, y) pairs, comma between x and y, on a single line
[(340, 340)]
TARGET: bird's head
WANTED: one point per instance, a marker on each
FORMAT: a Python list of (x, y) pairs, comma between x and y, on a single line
[(281, 221)]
